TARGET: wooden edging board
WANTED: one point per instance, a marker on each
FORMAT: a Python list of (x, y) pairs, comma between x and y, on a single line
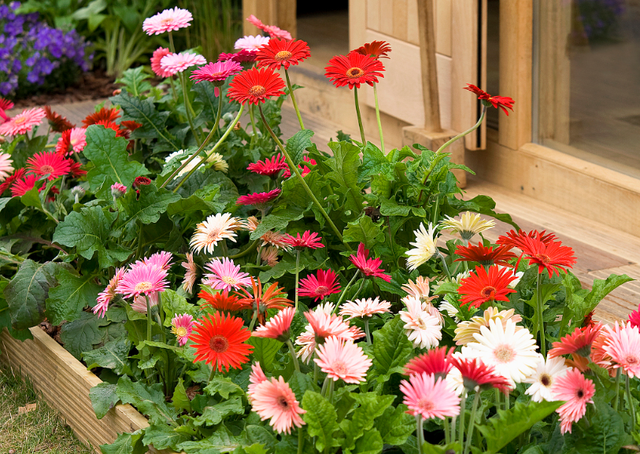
[(64, 382)]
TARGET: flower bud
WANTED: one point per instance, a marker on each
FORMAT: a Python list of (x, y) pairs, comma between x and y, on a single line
[(118, 190)]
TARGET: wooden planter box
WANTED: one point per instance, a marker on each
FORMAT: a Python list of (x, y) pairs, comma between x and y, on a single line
[(64, 382)]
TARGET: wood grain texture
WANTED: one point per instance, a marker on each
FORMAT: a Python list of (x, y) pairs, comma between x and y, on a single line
[(358, 14), (443, 26), (428, 70)]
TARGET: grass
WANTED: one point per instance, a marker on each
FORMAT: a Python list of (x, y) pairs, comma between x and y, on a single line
[(39, 431)]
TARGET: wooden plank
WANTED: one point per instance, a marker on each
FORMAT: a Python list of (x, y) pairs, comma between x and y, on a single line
[(373, 14), (428, 70), (443, 65), (386, 16), (400, 19), (413, 34), (358, 17), (443, 27)]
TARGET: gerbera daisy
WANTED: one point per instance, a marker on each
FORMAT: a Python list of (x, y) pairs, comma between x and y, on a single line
[(325, 284), (107, 114), (5, 166), (105, 297), (142, 279), (622, 344), (255, 86), (71, 140), (275, 239), (217, 227), (279, 53), (259, 199), (364, 308), (269, 167), (168, 20), (190, 273), (118, 190), (544, 377), (481, 286), (578, 342), (374, 49), (353, 70), (242, 56), (341, 359), (467, 329), (57, 122), (218, 162), (424, 247), (435, 362), (273, 297), (219, 340), (114, 127), (325, 324), (307, 240), (508, 348), (181, 326), (476, 374), (428, 397), (51, 165), (269, 255), (503, 102), (304, 170), (484, 255), (251, 43), (23, 185), (551, 256), (222, 301), (519, 238), (273, 399), (12, 178), (225, 275), (421, 327), (23, 122), (141, 181), (576, 391), (468, 225), (216, 73), (140, 302), (5, 104), (130, 125), (272, 30), (177, 63), (156, 58), (634, 317), (369, 267), (418, 289), (256, 377), (278, 327), (160, 259)]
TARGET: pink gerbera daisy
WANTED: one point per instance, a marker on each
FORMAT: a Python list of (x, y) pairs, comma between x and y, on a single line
[(5, 104), (5, 166), (22, 186), (428, 397), (343, 359), (176, 63), (576, 391), (273, 399), (140, 302), (251, 43), (225, 275), (272, 30), (242, 56), (23, 122), (622, 344), (167, 21), (51, 165), (142, 279), (105, 297), (308, 240), (304, 170), (369, 267), (191, 273), (256, 377), (259, 199), (634, 317), (157, 57), (118, 190), (72, 140), (435, 362), (217, 72), (364, 308), (318, 287), (269, 167), (181, 326), (278, 327), (160, 259)]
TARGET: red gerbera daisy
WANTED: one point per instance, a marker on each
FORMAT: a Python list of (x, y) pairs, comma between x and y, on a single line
[(219, 340), (551, 256), (272, 298), (279, 52), (435, 361), (130, 125), (374, 49), (476, 373), (222, 301), (303, 170), (481, 286), (109, 115), (242, 56), (57, 122), (308, 239), (259, 199), (51, 165), (9, 181), (22, 186), (517, 239), (485, 255), (369, 267), (141, 181), (579, 342), (269, 167), (318, 287), (353, 70), (76, 169), (255, 86), (488, 100)]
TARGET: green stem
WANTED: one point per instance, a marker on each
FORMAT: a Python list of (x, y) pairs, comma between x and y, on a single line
[(419, 433), (213, 372), (172, 47), (366, 330), (497, 391), (300, 439), (539, 308), (188, 109), (444, 265), (293, 98), (632, 409), (146, 297), (344, 292), (375, 97), (245, 252), (294, 168), (253, 319), (463, 402), (253, 121), (297, 277), (468, 131), (472, 421), (292, 350), (173, 88), (616, 402), (355, 95), (447, 433)]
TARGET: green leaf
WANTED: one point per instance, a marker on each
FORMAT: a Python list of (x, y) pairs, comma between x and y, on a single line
[(221, 441), (180, 399), (103, 398), (345, 164), (374, 162), (297, 143), (223, 386), (258, 434), (395, 425), (125, 444), (111, 160), (112, 355), (507, 425), (600, 289), (27, 292), (389, 207), (277, 221), (174, 304), (363, 230), (300, 383), (371, 406), (71, 295), (370, 443), (265, 350), (321, 418), (81, 334), (135, 81), (32, 199), (428, 448), (213, 415), (147, 399), (147, 206), (606, 433), (391, 348), (161, 436)]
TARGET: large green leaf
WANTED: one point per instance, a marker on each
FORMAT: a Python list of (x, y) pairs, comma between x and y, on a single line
[(606, 433), (112, 355), (148, 206), (395, 425), (223, 386), (363, 230), (103, 398), (147, 399), (371, 406), (600, 289), (161, 436), (370, 443), (391, 348), (277, 221), (81, 334), (111, 161), (220, 442), (71, 295), (135, 80), (344, 165), (215, 414), (297, 143), (180, 400), (321, 418), (27, 292), (126, 443), (265, 350), (374, 162)]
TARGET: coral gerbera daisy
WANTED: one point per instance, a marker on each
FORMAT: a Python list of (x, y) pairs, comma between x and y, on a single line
[(435, 362), (622, 344), (272, 30), (578, 342), (484, 255), (273, 399), (23, 185), (215, 228), (364, 308), (256, 377), (271, 298), (503, 102), (156, 58), (418, 289), (481, 286), (277, 327), (424, 247), (279, 53), (168, 20), (142, 279), (251, 43), (255, 86), (429, 397), (225, 275), (353, 70), (269, 255), (52, 165), (23, 122), (551, 256), (576, 391), (219, 340), (222, 301), (369, 267), (342, 359), (308, 239), (106, 114), (468, 225), (374, 49), (422, 327), (544, 377), (190, 274), (269, 167), (5, 166), (182, 326), (105, 297), (477, 374), (259, 199), (177, 63), (317, 287)]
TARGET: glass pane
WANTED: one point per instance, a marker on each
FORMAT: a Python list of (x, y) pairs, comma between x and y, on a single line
[(588, 80)]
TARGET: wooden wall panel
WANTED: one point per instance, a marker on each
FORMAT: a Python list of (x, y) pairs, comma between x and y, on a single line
[(443, 26), (413, 34), (400, 19), (357, 22), (373, 14), (386, 16)]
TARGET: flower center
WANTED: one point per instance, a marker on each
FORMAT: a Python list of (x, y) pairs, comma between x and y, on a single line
[(219, 344), (339, 368), (20, 120), (229, 280), (47, 168), (321, 290), (73, 141), (142, 287), (421, 323), (355, 72), (580, 394), (282, 402), (181, 331), (426, 404), (504, 353), (368, 271), (257, 90), (632, 360), (488, 292), (545, 379), (282, 55), (213, 236), (543, 258)]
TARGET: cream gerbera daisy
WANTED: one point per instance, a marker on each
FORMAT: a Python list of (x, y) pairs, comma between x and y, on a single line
[(466, 330), (422, 327), (510, 349), (418, 289), (543, 378), (468, 225), (218, 161), (424, 247), (217, 227)]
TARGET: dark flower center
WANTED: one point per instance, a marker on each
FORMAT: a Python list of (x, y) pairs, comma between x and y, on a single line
[(219, 344), (282, 55), (354, 72), (321, 290), (543, 258), (282, 402), (47, 169), (580, 394), (488, 292), (545, 380), (257, 90)]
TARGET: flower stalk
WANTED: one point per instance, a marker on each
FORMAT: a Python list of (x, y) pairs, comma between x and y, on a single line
[(472, 421), (375, 97), (293, 98), (355, 96), (539, 309)]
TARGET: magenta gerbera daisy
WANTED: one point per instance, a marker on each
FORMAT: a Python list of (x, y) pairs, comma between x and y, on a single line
[(369, 267), (242, 56), (167, 21), (217, 72), (51, 165), (142, 279), (23, 122), (160, 259), (318, 287), (307, 240), (176, 63), (269, 167), (341, 359), (181, 326), (225, 275), (23, 185), (259, 199)]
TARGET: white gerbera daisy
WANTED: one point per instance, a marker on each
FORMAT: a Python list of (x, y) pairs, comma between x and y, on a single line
[(425, 247), (511, 349), (217, 227), (468, 225), (364, 308), (218, 161), (543, 378), (422, 327)]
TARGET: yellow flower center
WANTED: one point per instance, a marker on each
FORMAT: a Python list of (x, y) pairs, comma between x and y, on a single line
[(257, 90), (142, 287), (181, 331), (282, 55), (219, 344), (355, 72), (229, 280), (19, 120)]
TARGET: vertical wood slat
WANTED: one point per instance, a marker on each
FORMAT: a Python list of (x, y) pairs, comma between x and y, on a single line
[(373, 15), (358, 17), (413, 32), (443, 26), (429, 76), (399, 19), (386, 11)]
